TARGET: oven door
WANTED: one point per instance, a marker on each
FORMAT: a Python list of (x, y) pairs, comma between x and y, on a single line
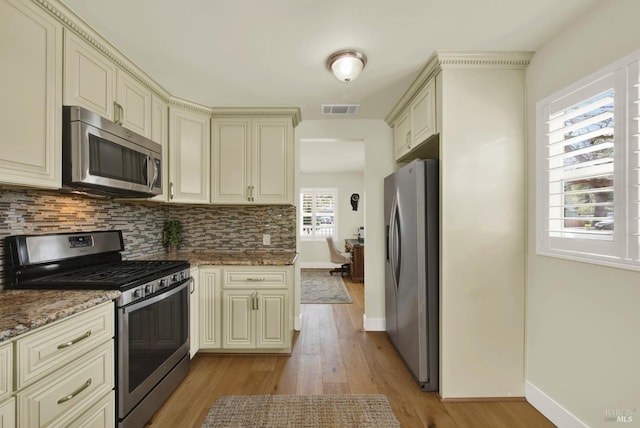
[(153, 336)]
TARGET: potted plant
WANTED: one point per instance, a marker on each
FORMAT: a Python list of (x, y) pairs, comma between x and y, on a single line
[(172, 234)]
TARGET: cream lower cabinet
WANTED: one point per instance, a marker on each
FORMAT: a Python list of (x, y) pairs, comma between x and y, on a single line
[(210, 308), (31, 88), (8, 413), (256, 308), (252, 161), (64, 372), (194, 313), (7, 402)]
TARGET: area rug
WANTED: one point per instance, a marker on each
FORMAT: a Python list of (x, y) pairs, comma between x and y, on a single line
[(318, 286), (359, 410)]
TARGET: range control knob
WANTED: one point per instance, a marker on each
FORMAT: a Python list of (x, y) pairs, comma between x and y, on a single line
[(174, 277), (182, 276), (148, 289), (162, 283), (137, 293)]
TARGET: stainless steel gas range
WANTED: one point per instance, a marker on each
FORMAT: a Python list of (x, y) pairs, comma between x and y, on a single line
[(152, 314)]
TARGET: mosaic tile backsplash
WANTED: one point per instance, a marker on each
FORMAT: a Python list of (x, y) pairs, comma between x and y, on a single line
[(213, 228)]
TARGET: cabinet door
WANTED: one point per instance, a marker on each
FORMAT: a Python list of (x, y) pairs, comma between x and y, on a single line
[(423, 114), (210, 308), (402, 135), (231, 161), (160, 134), (272, 161), (135, 102), (238, 331), (89, 77), (272, 324), (31, 88), (6, 371), (100, 415), (189, 140), (8, 414)]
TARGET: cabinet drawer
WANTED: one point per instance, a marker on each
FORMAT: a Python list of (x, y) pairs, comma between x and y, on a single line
[(65, 395), (6, 370), (100, 415), (53, 346), (259, 278)]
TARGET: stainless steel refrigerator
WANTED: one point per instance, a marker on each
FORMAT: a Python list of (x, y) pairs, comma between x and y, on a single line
[(411, 268)]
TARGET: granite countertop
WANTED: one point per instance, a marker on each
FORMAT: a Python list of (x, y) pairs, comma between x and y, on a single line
[(231, 258), (24, 310)]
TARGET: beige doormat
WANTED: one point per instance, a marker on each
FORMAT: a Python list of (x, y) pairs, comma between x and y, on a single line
[(359, 410), (318, 286)]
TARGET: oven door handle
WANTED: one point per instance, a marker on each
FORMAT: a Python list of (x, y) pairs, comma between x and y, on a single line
[(157, 298)]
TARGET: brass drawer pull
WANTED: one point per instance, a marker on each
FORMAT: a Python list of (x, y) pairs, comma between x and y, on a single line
[(74, 341), (76, 392)]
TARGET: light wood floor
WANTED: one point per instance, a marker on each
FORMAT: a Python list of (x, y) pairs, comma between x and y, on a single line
[(333, 355)]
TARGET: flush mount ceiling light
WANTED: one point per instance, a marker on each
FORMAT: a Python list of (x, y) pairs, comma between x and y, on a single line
[(346, 65)]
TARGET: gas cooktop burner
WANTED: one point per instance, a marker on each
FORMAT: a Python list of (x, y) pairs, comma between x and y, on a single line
[(119, 275)]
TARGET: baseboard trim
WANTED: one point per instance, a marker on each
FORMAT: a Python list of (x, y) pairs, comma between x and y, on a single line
[(551, 408), (317, 265), (480, 399), (373, 324)]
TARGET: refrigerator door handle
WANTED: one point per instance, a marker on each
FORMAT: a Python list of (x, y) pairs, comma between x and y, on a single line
[(395, 255)]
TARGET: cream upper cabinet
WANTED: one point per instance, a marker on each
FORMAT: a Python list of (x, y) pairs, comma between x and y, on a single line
[(31, 87), (189, 152), (417, 122), (231, 160), (160, 134), (209, 308), (89, 77), (135, 105), (252, 161), (93, 81), (402, 135), (423, 114)]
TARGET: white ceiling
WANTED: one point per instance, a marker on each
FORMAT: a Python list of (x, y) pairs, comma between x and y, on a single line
[(257, 53)]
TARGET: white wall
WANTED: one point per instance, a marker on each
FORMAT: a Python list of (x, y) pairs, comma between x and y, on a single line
[(378, 144), (315, 254), (482, 276), (583, 320)]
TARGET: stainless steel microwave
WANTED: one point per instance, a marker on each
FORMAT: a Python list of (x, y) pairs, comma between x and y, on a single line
[(101, 157)]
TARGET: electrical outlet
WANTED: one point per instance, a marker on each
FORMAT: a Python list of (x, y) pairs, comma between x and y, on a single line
[(266, 239)]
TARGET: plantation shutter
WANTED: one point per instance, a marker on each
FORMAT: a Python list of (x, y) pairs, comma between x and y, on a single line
[(318, 213)]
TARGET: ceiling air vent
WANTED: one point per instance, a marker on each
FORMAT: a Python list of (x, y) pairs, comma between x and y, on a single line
[(340, 109)]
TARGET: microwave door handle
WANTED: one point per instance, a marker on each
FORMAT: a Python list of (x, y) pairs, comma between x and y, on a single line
[(151, 161)]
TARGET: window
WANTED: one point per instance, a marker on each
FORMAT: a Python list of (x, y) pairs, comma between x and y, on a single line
[(588, 168), (318, 213)]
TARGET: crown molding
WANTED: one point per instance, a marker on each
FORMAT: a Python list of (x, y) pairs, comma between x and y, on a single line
[(443, 60), (189, 105), (485, 59), (291, 112), (74, 23)]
